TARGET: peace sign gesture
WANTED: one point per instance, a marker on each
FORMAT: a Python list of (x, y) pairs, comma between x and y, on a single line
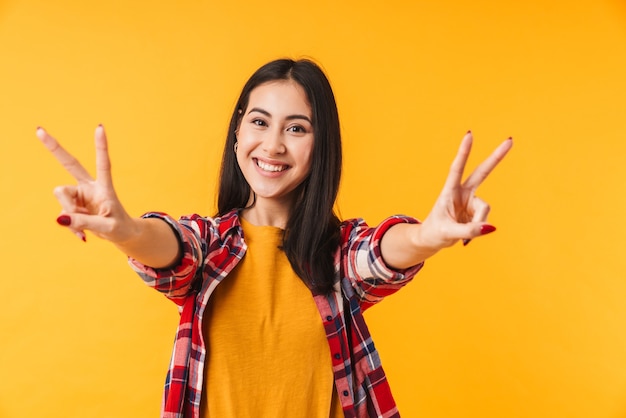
[(91, 204), (458, 213)]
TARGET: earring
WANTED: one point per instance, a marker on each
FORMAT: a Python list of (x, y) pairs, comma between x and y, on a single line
[(235, 147)]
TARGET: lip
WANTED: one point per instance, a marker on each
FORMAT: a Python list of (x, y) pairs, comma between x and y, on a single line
[(275, 163)]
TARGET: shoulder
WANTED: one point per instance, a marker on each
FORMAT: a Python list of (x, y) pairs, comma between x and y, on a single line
[(222, 225)]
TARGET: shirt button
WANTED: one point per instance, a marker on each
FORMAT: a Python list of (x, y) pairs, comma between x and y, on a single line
[(329, 318), (345, 393), (337, 356)]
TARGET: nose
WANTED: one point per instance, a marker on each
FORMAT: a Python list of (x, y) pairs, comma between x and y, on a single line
[(273, 143)]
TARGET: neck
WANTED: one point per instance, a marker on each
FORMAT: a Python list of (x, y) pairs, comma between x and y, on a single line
[(268, 213)]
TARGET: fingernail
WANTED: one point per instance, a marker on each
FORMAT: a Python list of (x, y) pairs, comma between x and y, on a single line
[(466, 241), (64, 220), (487, 229), (81, 235), (469, 131), (510, 138)]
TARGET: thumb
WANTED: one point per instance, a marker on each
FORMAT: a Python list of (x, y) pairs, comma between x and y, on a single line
[(474, 230), (79, 222)]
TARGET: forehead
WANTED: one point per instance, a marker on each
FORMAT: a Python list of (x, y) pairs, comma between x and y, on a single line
[(280, 97)]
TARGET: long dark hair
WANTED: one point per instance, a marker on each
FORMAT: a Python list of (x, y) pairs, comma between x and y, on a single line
[(312, 232)]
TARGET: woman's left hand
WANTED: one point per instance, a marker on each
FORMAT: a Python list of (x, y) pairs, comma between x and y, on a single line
[(458, 214)]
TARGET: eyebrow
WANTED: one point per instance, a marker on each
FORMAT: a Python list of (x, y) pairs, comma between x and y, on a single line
[(290, 117)]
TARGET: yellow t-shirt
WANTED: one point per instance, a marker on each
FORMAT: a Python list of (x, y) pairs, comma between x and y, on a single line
[(267, 352)]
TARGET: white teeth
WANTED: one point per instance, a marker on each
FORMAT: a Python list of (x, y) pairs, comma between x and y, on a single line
[(270, 167)]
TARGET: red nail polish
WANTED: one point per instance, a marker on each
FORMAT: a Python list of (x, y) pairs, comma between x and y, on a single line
[(469, 132), (466, 241), (64, 220), (487, 229)]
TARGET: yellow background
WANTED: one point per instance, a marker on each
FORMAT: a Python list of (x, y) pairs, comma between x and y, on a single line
[(528, 322)]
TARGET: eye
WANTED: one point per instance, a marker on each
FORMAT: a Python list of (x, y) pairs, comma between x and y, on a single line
[(297, 129), (258, 122)]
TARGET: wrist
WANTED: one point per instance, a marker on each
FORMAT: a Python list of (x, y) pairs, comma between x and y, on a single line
[(423, 240)]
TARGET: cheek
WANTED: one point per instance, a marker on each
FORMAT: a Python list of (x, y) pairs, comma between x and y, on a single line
[(307, 160), (245, 143), (307, 155), (304, 160)]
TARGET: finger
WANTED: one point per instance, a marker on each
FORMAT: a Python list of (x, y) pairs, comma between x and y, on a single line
[(463, 231), (67, 197), (487, 166), (481, 210), (471, 230), (81, 235), (67, 160), (103, 161), (458, 164), (66, 220), (79, 222)]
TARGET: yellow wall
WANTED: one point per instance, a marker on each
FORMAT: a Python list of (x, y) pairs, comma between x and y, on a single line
[(529, 322)]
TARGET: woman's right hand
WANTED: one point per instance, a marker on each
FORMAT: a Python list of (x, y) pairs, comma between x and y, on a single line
[(91, 204)]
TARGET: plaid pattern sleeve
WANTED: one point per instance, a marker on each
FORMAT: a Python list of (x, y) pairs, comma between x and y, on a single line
[(362, 262), (174, 282)]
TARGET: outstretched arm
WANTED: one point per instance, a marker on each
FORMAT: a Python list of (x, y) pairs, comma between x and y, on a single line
[(458, 214), (93, 205)]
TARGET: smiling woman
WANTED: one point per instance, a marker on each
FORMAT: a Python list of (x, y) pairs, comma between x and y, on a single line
[(280, 309), (274, 147), (528, 322)]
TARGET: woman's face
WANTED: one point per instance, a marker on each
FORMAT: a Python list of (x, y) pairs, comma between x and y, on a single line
[(275, 141)]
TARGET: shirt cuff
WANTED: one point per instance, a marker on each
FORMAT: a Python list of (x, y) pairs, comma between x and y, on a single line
[(188, 258)]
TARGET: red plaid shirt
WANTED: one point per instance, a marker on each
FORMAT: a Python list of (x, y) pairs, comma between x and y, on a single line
[(212, 247)]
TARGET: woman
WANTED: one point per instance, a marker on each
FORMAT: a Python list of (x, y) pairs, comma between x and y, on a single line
[(284, 334)]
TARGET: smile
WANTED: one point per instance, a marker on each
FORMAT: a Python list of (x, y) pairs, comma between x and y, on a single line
[(271, 167)]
